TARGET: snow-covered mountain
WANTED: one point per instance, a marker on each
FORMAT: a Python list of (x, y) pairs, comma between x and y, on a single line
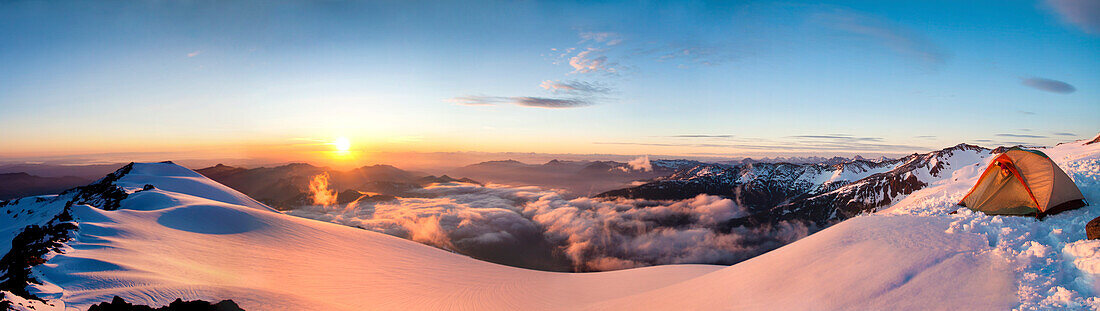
[(815, 192), (806, 160), (154, 232)]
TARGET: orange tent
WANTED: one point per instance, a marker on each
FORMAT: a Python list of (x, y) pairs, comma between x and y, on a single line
[(1023, 182)]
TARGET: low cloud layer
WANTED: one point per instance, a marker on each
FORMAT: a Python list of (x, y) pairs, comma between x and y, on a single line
[(641, 164), (1053, 86), (531, 227), (1084, 14)]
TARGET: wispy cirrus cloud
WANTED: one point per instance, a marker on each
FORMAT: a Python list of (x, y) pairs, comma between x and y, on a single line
[(607, 38), (478, 100), (1063, 134), (193, 54), (1049, 85), (839, 137), (900, 39), (608, 53), (815, 142), (780, 146), (1084, 14), (702, 136), (693, 53), (525, 101), (578, 94), (575, 87), (1021, 135), (543, 102)]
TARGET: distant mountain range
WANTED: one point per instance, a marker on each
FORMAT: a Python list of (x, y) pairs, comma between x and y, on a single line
[(287, 186), (86, 171), (821, 193), (17, 185), (20, 180), (578, 178), (805, 160), (799, 184)]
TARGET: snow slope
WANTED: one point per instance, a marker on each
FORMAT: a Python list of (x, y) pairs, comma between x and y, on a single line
[(191, 238), (866, 263), (916, 255)]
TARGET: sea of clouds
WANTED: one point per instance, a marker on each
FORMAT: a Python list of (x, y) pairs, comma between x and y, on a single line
[(537, 228)]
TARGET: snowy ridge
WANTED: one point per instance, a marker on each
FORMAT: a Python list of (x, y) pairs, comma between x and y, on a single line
[(816, 193), (877, 190), (188, 237), (1054, 267)]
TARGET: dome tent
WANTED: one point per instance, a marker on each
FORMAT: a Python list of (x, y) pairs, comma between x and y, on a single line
[(1023, 182)]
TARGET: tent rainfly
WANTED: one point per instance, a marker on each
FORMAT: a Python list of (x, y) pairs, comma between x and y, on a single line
[(1023, 182)]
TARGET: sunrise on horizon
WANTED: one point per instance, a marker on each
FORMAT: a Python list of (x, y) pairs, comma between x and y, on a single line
[(550, 155)]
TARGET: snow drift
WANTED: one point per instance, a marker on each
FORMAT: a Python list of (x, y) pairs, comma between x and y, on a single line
[(189, 237)]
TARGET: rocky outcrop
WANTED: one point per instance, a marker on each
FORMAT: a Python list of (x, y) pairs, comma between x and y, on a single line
[(29, 248), (103, 193)]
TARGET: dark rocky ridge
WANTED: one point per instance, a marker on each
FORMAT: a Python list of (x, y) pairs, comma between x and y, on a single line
[(28, 249), (119, 304), (34, 242), (103, 193)]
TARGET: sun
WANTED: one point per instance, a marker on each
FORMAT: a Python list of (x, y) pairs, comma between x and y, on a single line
[(342, 144)]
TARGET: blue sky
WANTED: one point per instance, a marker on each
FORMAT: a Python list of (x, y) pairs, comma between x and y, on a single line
[(683, 78)]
